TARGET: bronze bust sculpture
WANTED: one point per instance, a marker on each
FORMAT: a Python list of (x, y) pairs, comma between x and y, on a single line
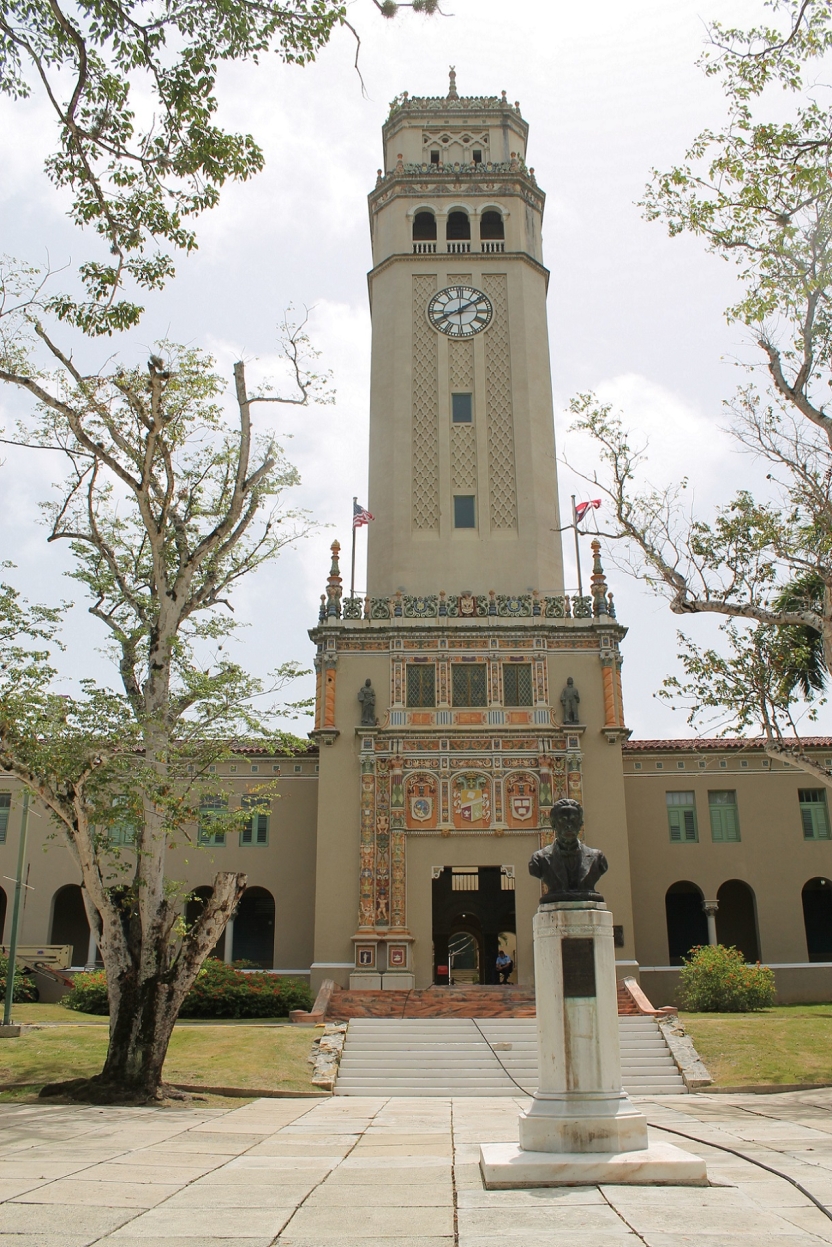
[(569, 868)]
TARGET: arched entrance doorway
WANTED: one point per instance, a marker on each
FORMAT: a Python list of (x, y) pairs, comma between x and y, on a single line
[(479, 901), (687, 926), (254, 928), (69, 922), (817, 918), (193, 909), (736, 919)]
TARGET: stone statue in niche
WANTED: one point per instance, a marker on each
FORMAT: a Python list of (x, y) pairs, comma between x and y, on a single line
[(367, 698), (570, 699), (569, 869)]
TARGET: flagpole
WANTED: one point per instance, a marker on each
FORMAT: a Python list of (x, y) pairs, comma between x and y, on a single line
[(577, 548), (352, 568)]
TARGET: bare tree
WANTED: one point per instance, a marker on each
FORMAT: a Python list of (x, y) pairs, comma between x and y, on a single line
[(167, 505)]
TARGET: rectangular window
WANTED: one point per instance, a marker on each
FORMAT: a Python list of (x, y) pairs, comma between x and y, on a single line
[(421, 684), (434, 158), (814, 813), (469, 684), (462, 408), (256, 830), (210, 809), (681, 817), (5, 811), (477, 156), (517, 684), (465, 515), (722, 807)]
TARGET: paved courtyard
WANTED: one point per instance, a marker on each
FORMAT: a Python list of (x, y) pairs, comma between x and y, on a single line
[(392, 1173)]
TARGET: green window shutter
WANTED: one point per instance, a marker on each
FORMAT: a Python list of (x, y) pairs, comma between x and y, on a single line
[(690, 824), (814, 814), (717, 822), (674, 818), (262, 834), (732, 823), (5, 811), (246, 834)]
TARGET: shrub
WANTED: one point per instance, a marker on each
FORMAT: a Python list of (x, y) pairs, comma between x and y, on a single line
[(88, 994), (219, 991), (715, 979), (25, 991), (223, 991)]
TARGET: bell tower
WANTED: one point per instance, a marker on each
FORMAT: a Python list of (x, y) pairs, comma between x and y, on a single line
[(466, 692), (462, 460)]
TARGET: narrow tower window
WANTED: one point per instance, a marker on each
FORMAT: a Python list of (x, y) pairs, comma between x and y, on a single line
[(465, 512), (424, 227), (476, 156), (458, 228), (468, 684), (421, 684), (491, 226), (434, 158), (462, 408), (517, 684)]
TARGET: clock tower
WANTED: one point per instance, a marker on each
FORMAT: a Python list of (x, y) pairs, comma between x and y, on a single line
[(467, 691), (462, 458)]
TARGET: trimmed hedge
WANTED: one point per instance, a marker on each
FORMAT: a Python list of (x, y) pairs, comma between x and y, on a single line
[(25, 991), (220, 991), (715, 979)]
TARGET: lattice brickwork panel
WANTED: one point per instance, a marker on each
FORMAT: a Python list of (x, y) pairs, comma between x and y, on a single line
[(425, 464), (464, 458), (502, 483)]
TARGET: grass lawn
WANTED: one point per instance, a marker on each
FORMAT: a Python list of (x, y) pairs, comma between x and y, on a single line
[(786, 1044), (238, 1055)]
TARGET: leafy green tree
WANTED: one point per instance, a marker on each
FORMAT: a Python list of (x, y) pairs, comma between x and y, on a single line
[(132, 86), (167, 504), (758, 192)]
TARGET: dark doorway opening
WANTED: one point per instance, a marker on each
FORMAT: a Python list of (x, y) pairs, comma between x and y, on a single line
[(687, 926), (2, 914), (736, 919), (475, 902), (69, 922), (193, 909), (254, 928), (817, 919)]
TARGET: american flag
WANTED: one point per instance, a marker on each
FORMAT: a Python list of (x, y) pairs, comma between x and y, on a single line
[(360, 515)]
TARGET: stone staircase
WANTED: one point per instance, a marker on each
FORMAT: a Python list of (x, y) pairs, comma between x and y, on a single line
[(452, 1056)]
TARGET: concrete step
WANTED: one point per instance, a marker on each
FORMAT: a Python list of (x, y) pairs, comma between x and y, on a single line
[(452, 1056)]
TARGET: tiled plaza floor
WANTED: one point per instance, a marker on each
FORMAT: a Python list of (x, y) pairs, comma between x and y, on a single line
[(392, 1173)]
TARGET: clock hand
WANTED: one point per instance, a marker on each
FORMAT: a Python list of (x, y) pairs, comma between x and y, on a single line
[(464, 308)]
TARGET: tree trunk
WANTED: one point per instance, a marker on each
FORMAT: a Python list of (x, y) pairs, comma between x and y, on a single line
[(144, 1008)]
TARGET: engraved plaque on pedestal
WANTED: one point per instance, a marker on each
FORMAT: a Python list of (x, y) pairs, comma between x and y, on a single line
[(578, 959)]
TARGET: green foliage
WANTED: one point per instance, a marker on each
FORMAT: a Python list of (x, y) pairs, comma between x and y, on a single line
[(228, 991), (715, 979), (219, 991), (132, 86), (88, 994), (25, 990)]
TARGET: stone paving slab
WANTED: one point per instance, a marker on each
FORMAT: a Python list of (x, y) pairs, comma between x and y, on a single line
[(394, 1173)]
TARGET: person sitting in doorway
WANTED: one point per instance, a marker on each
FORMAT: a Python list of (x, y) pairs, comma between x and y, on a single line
[(504, 966)]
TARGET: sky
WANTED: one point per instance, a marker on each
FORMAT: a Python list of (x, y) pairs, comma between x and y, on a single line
[(609, 94)]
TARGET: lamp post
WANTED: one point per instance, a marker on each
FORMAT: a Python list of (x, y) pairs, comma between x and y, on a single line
[(18, 894)]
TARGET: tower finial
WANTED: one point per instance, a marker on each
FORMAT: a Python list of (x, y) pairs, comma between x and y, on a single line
[(452, 91), (599, 582)]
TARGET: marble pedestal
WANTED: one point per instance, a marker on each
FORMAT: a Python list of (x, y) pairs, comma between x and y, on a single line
[(581, 1127)]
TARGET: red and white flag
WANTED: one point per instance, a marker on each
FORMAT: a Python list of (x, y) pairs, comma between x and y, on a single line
[(360, 515), (581, 508)]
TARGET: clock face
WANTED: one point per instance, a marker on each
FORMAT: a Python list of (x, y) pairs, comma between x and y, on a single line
[(460, 311)]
